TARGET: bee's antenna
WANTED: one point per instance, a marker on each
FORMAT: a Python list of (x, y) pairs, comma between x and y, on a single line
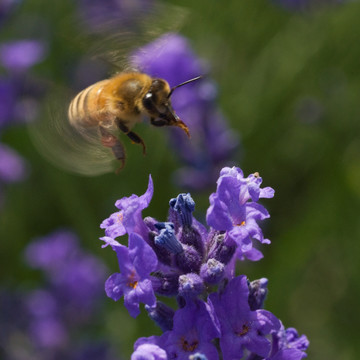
[(184, 83)]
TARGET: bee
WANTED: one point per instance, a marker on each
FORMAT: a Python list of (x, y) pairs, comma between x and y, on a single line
[(119, 103), (81, 133)]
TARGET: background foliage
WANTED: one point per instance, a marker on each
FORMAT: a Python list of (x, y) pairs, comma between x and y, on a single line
[(289, 84)]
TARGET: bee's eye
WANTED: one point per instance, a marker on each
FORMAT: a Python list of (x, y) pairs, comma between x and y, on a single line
[(148, 102)]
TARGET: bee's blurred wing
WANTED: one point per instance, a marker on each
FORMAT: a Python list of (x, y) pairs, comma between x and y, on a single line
[(66, 147), (113, 40)]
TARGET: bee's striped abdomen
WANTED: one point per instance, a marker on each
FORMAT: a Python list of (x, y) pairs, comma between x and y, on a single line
[(86, 108)]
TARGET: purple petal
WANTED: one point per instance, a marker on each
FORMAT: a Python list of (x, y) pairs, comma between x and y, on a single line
[(114, 286), (289, 354), (145, 293), (217, 215), (132, 207), (114, 225), (149, 352), (268, 322), (142, 256)]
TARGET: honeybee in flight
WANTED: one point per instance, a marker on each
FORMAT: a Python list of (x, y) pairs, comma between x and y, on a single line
[(82, 134), (119, 103)]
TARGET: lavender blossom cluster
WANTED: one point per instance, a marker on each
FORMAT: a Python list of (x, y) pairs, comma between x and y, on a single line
[(220, 315), (212, 142), (45, 323)]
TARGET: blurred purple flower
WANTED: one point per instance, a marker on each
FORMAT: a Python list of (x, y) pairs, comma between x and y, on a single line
[(70, 271), (212, 142), (52, 251), (53, 322), (17, 102), (19, 56), (12, 166)]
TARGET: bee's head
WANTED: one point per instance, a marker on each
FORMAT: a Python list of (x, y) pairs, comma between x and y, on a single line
[(156, 100), (157, 103)]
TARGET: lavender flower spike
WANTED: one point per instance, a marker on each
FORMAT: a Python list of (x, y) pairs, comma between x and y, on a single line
[(185, 259), (136, 263)]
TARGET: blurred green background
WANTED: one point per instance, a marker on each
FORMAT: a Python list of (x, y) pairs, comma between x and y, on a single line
[(289, 85)]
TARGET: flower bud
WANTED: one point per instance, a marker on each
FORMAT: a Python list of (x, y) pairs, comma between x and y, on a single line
[(221, 248), (165, 284), (184, 206), (162, 315), (257, 293), (212, 272), (167, 238), (190, 285)]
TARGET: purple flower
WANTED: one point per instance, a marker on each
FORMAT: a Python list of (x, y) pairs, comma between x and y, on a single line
[(136, 263), (149, 352), (129, 219), (212, 143), (19, 56), (183, 258), (193, 332), (240, 327), (288, 345), (233, 208)]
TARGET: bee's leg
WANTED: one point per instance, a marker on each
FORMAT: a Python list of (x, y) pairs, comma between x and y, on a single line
[(111, 141), (135, 138), (163, 122)]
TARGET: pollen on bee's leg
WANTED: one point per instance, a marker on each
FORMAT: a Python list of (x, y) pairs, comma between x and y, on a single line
[(107, 139)]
